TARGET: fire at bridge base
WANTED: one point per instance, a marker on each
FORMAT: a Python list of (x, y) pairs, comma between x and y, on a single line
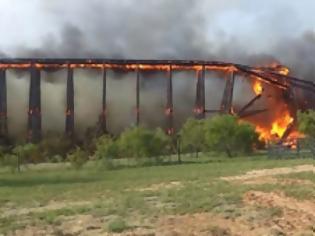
[(271, 76)]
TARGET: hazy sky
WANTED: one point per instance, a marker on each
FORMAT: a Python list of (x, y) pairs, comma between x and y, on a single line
[(256, 24), (243, 31)]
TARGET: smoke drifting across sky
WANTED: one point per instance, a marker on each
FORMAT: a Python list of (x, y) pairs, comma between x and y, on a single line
[(241, 31), (234, 30)]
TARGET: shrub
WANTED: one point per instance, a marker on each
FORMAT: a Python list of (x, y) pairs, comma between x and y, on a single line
[(54, 145), (162, 144), (106, 150), (223, 133), (140, 142), (306, 123), (56, 159), (192, 136), (77, 158), (11, 161), (135, 142), (26, 153), (118, 225)]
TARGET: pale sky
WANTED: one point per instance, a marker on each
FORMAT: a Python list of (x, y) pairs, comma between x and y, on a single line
[(253, 23)]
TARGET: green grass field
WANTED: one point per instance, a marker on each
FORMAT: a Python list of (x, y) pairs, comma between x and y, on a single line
[(135, 196)]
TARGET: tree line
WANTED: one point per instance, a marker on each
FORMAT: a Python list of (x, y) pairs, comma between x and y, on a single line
[(221, 134)]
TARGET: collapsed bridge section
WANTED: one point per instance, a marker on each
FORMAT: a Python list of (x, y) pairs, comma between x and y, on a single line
[(276, 76)]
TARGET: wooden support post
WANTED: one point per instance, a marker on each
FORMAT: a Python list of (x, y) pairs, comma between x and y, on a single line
[(34, 112), (138, 97), (70, 104), (169, 104), (248, 105), (200, 104), (3, 105), (103, 118), (231, 92), (227, 99)]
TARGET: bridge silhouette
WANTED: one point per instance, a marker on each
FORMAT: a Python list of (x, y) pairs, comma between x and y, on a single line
[(274, 75)]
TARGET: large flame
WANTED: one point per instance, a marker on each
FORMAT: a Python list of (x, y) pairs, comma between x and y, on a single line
[(281, 123), (280, 126), (277, 129)]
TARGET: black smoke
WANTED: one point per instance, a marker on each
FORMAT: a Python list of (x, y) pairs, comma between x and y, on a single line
[(151, 29)]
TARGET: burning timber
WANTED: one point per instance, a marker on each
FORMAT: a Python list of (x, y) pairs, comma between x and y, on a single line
[(275, 75)]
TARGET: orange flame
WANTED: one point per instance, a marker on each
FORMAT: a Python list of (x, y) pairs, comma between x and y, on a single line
[(281, 69), (257, 87), (277, 129), (160, 67), (280, 126)]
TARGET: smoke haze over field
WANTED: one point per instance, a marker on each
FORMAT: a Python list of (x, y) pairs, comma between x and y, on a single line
[(240, 31)]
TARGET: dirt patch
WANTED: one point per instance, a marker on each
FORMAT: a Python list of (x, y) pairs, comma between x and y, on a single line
[(279, 200), (9, 212), (305, 182), (260, 180), (201, 224), (160, 186), (205, 224), (279, 181), (76, 225), (255, 174), (297, 217)]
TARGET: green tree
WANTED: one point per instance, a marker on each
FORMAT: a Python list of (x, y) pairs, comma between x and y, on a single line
[(224, 133), (161, 145), (192, 136), (78, 158), (306, 123), (142, 142), (106, 150), (134, 142)]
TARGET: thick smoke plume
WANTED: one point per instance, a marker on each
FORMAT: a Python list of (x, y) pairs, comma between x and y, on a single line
[(144, 29)]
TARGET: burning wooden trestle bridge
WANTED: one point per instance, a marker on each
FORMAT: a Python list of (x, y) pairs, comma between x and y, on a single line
[(274, 75)]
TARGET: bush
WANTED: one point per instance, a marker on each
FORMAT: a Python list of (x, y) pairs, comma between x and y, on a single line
[(11, 161), (162, 144), (118, 225), (192, 136), (56, 159), (223, 133), (25, 154), (135, 142), (306, 123), (140, 142), (106, 150), (77, 158), (54, 145)]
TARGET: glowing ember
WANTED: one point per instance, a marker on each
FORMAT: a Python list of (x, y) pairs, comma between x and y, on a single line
[(283, 70), (257, 87), (148, 67)]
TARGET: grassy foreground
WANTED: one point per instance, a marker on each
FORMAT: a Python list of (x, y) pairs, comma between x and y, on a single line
[(132, 196)]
